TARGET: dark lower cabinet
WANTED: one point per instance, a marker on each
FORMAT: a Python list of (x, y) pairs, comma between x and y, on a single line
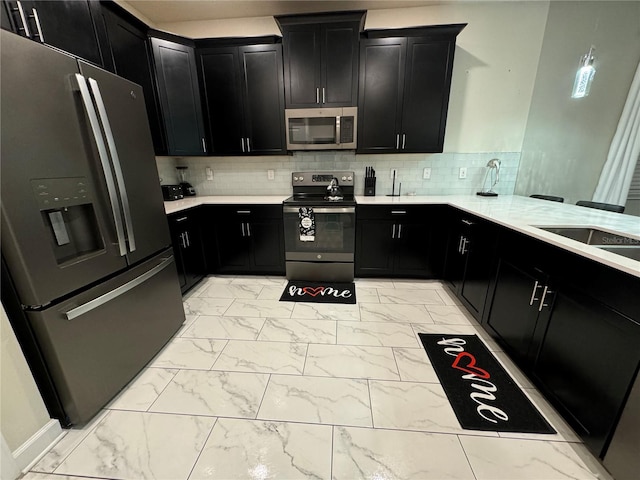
[(398, 241), (187, 247), (179, 96), (586, 363), (514, 307), (572, 326), (471, 260), (244, 239)]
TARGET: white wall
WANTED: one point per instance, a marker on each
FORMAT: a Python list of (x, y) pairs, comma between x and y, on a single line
[(567, 140), (494, 70), (22, 411)]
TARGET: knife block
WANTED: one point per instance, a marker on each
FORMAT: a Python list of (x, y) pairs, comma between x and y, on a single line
[(370, 187)]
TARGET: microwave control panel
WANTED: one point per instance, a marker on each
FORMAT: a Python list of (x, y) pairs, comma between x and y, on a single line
[(346, 129)]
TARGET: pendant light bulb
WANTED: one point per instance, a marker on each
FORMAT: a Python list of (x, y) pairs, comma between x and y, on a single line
[(584, 76)]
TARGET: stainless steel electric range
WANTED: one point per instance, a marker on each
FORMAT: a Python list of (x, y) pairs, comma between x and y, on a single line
[(319, 226)]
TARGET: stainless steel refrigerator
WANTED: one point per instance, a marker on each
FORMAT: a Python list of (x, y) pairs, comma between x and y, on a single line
[(88, 279)]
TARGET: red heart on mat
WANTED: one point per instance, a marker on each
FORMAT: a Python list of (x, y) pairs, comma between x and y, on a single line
[(313, 291), (471, 366)]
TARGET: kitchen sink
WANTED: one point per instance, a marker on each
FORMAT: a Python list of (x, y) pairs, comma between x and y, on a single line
[(611, 242)]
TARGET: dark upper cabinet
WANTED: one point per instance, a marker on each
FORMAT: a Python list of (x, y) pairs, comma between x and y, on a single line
[(131, 55), (398, 241), (71, 25), (179, 95), (321, 59), (405, 78), (243, 98)]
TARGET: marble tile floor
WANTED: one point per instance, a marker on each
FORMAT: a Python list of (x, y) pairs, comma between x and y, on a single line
[(254, 388)]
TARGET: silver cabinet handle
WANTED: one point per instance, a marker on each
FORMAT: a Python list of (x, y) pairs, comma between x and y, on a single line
[(544, 296), (248, 230), (465, 241), (323, 100), (204, 146), (398, 212), (317, 95), (243, 212), (38, 26), (467, 222), (397, 141), (248, 147), (242, 140), (107, 297), (23, 19), (533, 293), (186, 234), (393, 232), (399, 230), (111, 143), (460, 244), (104, 161), (242, 226), (404, 137), (337, 128), (181, 219), (184, 245)]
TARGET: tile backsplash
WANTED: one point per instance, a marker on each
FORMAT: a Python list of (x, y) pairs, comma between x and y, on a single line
[(249, 175)]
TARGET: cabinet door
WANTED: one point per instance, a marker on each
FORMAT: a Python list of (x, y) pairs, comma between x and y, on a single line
[(514, 307), (382, 64), (478, 246), (339, 66), (263, 87), (412, 249), (132, 60), (375, 247), (267, 245), (222, 90), (426, 95), (586, 364), (179, 243), (233, 245), (67, 25), (302, 47), (179, 97), (194, 262)]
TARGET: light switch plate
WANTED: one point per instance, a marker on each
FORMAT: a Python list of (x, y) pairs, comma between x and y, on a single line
[(426, 173), (209, 173), (271, 174), (463, 172)]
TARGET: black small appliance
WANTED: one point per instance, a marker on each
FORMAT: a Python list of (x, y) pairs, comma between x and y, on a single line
[(172, 192)]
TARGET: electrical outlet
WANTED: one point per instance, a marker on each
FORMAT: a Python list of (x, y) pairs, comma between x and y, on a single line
[(209, 173), (426, 173), (393, 173), (271, 174), (463, 172)]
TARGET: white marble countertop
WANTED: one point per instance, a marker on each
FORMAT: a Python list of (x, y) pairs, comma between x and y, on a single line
[(190, 202), (521, 214)]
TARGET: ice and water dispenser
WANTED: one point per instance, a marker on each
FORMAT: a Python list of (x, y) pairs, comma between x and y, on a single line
[(66, 206)]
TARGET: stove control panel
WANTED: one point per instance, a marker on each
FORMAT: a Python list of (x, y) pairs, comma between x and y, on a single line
[(321, 178)]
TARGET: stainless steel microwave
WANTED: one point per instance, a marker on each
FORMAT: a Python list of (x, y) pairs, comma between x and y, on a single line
[(322, 128)]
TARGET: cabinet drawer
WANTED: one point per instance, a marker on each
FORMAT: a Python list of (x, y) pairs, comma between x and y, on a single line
[(387, 212), (248, 212)]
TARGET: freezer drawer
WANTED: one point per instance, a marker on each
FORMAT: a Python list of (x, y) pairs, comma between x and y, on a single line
[(96, 342)]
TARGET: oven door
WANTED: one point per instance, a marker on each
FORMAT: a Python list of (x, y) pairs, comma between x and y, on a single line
[(335, 230)]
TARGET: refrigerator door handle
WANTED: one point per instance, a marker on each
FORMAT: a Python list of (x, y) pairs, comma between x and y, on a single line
[(115, 293), (124, 198), (104, 161)]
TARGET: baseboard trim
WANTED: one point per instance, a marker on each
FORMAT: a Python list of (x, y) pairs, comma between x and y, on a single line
[(39, 443)]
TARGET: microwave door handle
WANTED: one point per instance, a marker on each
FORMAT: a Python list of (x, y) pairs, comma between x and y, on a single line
[(104, 161), (338, 130), (124, 198)]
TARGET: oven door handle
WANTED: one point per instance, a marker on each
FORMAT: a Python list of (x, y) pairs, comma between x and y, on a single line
[(322, 209)]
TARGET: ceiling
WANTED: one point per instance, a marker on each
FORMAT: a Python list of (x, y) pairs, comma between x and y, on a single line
[(169, 11)]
